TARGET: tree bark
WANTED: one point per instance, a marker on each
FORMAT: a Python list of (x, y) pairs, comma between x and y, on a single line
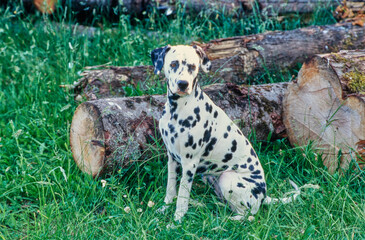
[(113, 8), (326, 106), (269, 7), (108, 134), (234, 59)]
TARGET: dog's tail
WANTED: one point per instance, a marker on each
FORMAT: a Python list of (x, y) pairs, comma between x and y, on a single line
[(296, 193)]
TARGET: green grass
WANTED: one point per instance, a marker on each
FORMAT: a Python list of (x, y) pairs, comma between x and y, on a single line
[(43, 195)]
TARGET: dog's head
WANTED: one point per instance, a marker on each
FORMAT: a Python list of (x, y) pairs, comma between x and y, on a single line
[(181, 66)]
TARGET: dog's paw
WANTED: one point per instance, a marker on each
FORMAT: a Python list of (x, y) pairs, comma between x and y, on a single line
[(179, 215), (162, 209), (237, 218)]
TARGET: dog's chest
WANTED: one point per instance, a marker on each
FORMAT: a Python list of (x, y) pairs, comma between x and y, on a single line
[(182, 127)]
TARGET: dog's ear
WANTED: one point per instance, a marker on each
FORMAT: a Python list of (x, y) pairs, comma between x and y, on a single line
[(206, 65), (158, 57)]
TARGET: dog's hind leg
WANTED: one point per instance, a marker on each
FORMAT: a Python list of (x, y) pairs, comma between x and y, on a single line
[(242, 193)]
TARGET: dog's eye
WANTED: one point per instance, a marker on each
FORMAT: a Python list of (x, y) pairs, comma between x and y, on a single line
[(173, 65)]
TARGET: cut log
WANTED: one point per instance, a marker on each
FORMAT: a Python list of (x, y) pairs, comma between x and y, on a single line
[(108, 134), (234, 59), (326, 106), (113, 8), (268, 7)]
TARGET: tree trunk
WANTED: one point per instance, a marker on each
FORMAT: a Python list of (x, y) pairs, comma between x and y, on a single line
[(269, 7), (326, 106), (113, 8), (234, 59), (108, 134)]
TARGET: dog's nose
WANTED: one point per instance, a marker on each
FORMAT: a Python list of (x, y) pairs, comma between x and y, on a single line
[(182, 85)]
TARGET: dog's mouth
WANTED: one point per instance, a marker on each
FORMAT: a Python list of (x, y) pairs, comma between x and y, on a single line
[(181, 93)]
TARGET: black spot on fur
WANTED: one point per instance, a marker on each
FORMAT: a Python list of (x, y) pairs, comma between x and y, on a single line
[(185, 123), (175, 116), (246, 142), (171, 127), (209, 147), (256, 176), (260, 188), (194, 146), (230, 191), (249, 160), (224, 167), (234, 146), (207, 162), (235, 167), (244, 166), (214, 166), (249, 180), (229, 128), (205, 60), (227, 157), (187, 155), (197, 111), (239, 132), (215, 114), (201, 97), (182, 129), (190, 141), (200, 142), (251, 168), (225, 135), (190, 175), (240, 185), (172, 102), (172, 140), (207, 134), (201, 169), (253, 153), (256, 172), (206, 124), (208, 107)]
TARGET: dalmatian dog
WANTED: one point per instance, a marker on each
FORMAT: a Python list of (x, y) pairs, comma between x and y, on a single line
[(201, 138)]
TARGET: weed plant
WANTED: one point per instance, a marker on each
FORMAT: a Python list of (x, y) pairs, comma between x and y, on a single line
[(43, 195)]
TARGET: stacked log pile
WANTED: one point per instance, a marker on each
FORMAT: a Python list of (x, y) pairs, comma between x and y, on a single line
[(233, 59), (325, 105), (138, 7)]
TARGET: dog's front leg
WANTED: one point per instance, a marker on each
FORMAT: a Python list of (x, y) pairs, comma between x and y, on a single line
[(188, 172), (172, 167)]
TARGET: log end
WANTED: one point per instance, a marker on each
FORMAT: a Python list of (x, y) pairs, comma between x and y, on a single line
[(317, 111), (87, 139)]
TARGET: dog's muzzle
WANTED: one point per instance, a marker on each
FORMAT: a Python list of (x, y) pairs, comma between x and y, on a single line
[(182, 85)]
